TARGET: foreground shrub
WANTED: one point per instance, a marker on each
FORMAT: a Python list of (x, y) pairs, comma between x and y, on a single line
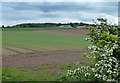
[(105, 51)]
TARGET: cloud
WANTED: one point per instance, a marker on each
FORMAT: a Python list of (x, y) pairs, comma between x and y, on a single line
[(15, 12), (59, 0), (42, 20), (106, 7)]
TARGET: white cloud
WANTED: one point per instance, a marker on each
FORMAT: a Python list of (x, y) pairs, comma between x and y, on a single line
[(16, 14), (112, 19), (60, 0), (43, 20)]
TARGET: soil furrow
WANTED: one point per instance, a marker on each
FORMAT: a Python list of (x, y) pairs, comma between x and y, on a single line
[(46, 57)]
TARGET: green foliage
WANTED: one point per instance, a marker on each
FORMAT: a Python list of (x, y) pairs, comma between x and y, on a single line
[(105, 51)]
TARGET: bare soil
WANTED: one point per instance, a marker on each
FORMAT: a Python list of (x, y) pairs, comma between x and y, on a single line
[(56, 57), (77, 32), (33, 59)]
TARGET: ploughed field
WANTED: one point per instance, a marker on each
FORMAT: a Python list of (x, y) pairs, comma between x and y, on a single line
[(46, 53)]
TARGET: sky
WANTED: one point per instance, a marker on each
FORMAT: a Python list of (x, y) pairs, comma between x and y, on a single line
[(58, 12)]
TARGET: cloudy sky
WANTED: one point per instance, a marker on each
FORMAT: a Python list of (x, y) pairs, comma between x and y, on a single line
[(63, 12)]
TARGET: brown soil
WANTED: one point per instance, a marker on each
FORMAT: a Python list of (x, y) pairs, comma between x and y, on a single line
[(34, 59), (78, 32)]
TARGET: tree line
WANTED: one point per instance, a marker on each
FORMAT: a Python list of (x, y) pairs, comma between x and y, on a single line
[(47, 25)]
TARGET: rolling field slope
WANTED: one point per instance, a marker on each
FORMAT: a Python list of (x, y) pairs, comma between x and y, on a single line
[(40, 56)]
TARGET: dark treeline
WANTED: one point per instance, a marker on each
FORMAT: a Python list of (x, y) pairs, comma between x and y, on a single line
[(48, 25)]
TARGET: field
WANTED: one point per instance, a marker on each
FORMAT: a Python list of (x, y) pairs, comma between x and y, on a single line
[(33, 29), (41, 55)]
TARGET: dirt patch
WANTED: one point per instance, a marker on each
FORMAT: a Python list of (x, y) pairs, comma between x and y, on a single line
[(77, 32), (44, 57)]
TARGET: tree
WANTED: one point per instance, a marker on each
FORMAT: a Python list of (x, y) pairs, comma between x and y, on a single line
[(71, 24), (2, 26)]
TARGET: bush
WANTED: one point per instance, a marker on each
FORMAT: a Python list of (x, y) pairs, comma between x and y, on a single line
[(105, 51)]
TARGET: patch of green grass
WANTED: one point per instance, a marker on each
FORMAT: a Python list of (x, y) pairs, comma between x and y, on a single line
[(0, 74), (33, 29), (90, 63), (16, 74), (43, 41), (47, 71), (22, 74), (42, 72)]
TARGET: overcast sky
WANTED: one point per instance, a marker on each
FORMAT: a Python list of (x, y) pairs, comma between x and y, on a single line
[(63, 12)]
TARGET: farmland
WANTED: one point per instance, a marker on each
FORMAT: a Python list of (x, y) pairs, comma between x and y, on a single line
[(41, 55), (33, 29)]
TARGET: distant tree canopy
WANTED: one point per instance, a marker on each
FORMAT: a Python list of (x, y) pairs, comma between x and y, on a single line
[(2, 26), (48, 25)]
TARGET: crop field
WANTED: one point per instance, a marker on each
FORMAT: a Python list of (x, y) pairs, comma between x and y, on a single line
[(41, 55), (33, 29)]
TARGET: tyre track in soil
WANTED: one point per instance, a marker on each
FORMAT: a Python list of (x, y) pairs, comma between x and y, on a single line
[(13, 50), (37, 58), (18, 52)]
